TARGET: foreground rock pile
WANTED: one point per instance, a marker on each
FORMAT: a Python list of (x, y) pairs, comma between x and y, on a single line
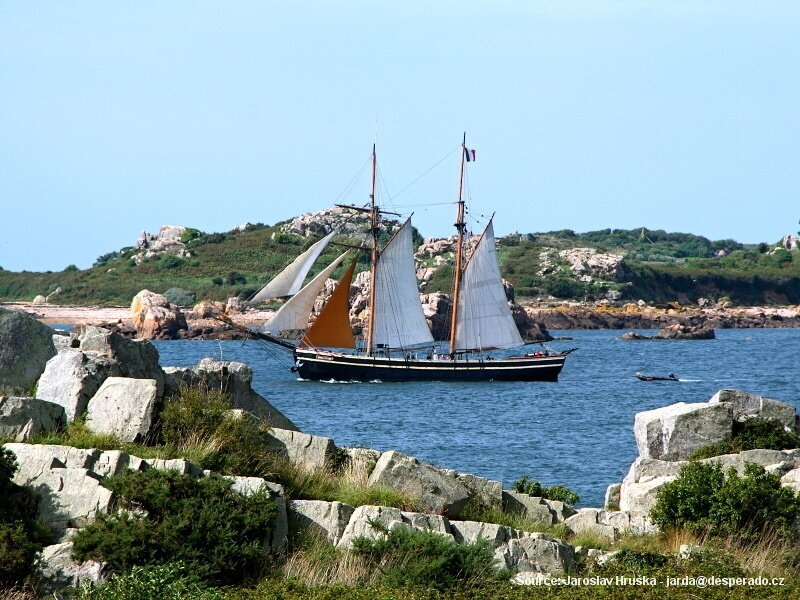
[(118, 387)]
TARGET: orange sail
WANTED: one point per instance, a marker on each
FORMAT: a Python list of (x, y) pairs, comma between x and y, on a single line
[(331, 329)]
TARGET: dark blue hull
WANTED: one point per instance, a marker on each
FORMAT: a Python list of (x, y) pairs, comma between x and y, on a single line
[(323, 365)]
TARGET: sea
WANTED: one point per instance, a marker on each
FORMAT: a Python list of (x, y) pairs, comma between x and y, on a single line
[(577, 432)]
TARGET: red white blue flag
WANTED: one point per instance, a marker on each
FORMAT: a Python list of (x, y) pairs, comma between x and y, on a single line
[(469, 154)]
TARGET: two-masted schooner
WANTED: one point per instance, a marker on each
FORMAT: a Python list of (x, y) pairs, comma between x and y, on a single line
[(398, 345)]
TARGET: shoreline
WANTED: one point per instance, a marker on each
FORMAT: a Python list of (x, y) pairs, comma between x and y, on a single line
[(551, 316)]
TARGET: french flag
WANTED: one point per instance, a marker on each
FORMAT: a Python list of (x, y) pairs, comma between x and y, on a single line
[(469, 154)]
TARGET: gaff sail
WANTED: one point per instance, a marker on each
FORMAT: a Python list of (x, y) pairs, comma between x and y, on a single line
[(289, 281), (484, 318), (331, 329), (295, 312)]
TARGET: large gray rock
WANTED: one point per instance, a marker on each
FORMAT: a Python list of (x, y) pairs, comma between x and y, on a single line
[(746, 405), (24, 418), (313, 452), (124, 407), (133, 358), (674, 432), (484, 491), (439, 491), (72, 377), (325, 519), (520, 551), (371, 521), (57, 570), (600, 523), (535, 508), (25, 347), (538, 553), (70, 497), (232, 378)]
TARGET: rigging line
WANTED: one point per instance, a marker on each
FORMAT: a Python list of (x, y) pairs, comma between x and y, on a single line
[(440, 161), (351, 184)]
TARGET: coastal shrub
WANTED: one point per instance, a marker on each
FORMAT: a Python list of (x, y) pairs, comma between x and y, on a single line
[(235, 278), (708, 501), (409, 557), (172, 581), (525, 485), (189, 234), (765, 434), (180, 296), (220, 535), (171, 261), (200, 425), (21, 534)]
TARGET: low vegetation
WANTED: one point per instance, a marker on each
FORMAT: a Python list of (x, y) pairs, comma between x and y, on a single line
[(168, 516), (525, 485), (658, 267), (21, 534), (765, 434), (176, 537), (708, 501)]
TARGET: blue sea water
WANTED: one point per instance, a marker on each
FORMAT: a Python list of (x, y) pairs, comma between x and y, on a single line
[(578, 431)]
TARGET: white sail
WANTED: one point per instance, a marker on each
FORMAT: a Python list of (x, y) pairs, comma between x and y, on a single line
[(294, 314), (399, 320), (484, 318), (289, 281)]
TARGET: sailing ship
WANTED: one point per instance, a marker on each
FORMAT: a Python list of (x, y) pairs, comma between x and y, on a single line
[(398, 345)]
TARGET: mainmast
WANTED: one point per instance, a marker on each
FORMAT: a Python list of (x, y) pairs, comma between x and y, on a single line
[(460, 229), (375, 230)]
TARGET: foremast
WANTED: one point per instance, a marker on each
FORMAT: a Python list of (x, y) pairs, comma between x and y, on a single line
[(461, 227), (374, 221)]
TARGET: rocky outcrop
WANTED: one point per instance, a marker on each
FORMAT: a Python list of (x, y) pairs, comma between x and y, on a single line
[(57, 570), (313, 452), (69, 482), (74, 375), (599, 522), (24, 418), (675, 332), (233, 378), (668, 436), (25, 347), (746, 405), (155, 317), (325, 519), (536, 508), (676, 431), (520, 551), (438, 491)]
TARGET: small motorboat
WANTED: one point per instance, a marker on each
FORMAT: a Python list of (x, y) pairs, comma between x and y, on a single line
[(642, 377)]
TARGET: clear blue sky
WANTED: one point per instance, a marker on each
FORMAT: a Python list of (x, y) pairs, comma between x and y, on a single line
[(119, 117)]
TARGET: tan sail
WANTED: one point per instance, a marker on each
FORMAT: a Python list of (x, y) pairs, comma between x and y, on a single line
[(332, 328)]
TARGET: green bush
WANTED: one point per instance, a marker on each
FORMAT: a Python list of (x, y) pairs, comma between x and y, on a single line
[(708, 501), (525, 485), (765, 434), (409, 557), (21, 534), (220, 535), (171, 261), (171, 581), (180, 296), (189, 234), (200, 425)]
